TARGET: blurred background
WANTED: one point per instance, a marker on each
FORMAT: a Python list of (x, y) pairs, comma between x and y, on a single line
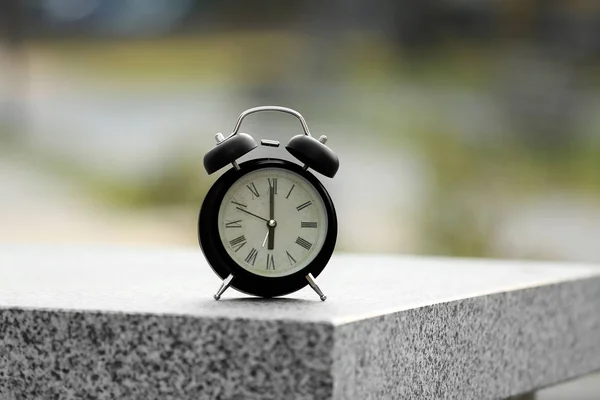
[(464, 127)]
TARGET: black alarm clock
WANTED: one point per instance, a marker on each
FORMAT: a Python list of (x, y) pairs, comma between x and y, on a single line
[(268, 227)]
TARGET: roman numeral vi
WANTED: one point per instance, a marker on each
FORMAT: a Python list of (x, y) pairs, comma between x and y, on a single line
[(270, 262)]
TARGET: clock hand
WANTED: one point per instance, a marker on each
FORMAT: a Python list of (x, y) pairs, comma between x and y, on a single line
[(271, 203), (266, 236), (254, 215), (271, 224)]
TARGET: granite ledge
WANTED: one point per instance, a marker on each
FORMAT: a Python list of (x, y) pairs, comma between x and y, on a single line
[(392, 327)]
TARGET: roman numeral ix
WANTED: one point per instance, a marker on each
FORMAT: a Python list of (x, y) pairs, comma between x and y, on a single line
[(233, 224)]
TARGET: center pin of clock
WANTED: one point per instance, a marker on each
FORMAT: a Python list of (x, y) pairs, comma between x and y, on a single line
[(272, 223)]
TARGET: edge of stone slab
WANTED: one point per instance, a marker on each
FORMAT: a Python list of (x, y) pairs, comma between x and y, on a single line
[(583, 276), (48, 354), (493, 346)]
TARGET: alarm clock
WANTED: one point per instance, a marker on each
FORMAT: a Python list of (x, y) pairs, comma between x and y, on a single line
[(267, 226)]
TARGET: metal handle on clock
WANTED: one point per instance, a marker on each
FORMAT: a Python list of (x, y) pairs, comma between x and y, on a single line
[(270, 108)]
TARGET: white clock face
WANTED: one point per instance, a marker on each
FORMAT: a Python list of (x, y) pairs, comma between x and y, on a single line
[(272, 222)]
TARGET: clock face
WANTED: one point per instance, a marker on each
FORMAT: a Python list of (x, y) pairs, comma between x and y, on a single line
[(272, 222)]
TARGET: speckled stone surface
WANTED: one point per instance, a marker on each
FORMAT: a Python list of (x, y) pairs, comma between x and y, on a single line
[(141, 324)]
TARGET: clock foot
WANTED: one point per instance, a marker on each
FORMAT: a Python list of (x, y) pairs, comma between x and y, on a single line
[(313, 284), (223, 287)]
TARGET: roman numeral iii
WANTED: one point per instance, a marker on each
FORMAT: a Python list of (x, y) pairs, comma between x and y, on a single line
[(304, 243), (304, 205), (308, 224)]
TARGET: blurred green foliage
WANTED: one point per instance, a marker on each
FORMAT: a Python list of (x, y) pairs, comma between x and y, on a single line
[(473, 181), (179, 182), (471, 178), (242, 57)]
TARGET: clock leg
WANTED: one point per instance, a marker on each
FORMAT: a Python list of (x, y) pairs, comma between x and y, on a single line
[(313, 284), (223, 287)]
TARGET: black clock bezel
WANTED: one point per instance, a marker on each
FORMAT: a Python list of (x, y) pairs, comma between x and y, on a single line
[(244, 281)]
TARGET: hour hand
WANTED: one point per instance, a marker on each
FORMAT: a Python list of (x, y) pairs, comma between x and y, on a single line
[(271, 234)]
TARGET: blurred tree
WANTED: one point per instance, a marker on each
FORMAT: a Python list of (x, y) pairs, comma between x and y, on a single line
[(13, 62)]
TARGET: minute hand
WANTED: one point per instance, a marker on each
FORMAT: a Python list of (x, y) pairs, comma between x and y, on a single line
[(254, 215), (272, 217)]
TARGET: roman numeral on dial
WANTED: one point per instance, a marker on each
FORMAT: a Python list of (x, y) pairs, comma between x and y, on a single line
[(304, 243), (239, 204), (308, 224), (304, 205), (233, 224), (251, 257), (238, 242), (290, 258), (270, 262), (253, 189), (273, 184), (290, 192)]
